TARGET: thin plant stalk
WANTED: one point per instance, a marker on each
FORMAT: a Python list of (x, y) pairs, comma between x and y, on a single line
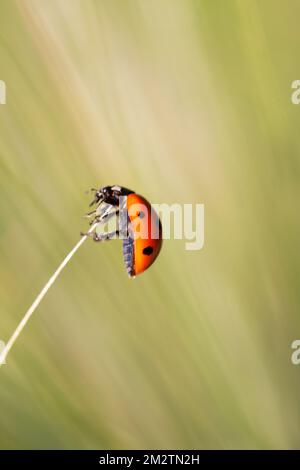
[(39, 298)]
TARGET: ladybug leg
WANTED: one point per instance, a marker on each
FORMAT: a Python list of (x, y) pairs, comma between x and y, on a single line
[(97, 212), (90, 214), (101, 211), (104, 217), (98, 237), (101, 218), (101, 237)]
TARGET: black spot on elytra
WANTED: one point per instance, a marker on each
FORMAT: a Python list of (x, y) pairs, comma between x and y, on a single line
[(148, 250)]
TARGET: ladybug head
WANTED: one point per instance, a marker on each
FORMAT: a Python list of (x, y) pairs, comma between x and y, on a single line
[(103, 194), (106, 191), (110, 194)]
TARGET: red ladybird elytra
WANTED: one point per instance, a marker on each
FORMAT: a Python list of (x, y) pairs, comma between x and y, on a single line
[(138, 225)]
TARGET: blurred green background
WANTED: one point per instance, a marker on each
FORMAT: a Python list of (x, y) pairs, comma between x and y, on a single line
[(183, 101)]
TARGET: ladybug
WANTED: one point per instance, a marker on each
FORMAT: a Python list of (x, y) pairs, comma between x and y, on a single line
[(138, 225)]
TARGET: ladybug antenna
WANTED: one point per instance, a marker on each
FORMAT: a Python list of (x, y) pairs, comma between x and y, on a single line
[(98, 198), (90, 190)]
